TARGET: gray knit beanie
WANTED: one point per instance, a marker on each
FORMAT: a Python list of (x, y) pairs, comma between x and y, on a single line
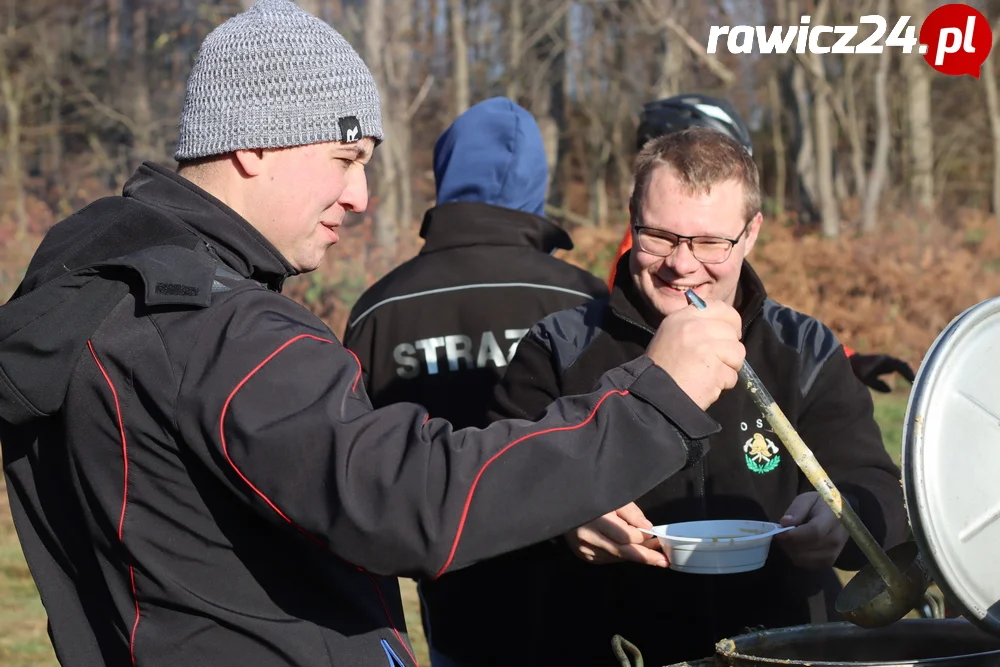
[(272, 77)]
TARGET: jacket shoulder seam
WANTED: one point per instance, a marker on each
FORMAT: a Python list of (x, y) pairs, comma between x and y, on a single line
[(813, 341), (213, 309), (567, 334)]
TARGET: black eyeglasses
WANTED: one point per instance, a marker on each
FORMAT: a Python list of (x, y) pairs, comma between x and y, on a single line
[(706, 249)]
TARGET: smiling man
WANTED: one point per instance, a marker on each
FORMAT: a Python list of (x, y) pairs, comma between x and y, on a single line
[(695, 216), (673, 114)]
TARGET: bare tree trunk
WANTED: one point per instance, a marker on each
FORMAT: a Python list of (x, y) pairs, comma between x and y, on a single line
[(824, 158), (375, 40), (599, 189), (918, 83), (621, 152), (883, 138), (398, 68), (921, 144), (586, 74), (845, 106), (516, 28), (560, 87), (55, 145), (114, 27), (854, 130), (821, 107), (778, 143), (541, 108), (142, 113), (805, 161), (12, 85), (993, 110), (671, 82), (549, 128), (543, 74), (14, 169), (54, 36), (461, 55), (840, 190), (673, 58)]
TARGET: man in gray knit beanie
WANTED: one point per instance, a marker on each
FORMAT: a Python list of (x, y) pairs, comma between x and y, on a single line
[(197, 474), (280, 117)]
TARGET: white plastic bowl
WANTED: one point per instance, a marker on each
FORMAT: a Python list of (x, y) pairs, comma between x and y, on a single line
[(716, 547)]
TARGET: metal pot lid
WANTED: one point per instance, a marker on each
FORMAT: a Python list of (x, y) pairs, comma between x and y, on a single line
[(951, 463)]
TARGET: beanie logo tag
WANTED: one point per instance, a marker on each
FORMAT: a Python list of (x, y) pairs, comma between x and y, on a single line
[(350, 129)]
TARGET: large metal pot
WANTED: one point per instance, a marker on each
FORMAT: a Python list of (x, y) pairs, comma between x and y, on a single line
[(914, 642), (910, 642)]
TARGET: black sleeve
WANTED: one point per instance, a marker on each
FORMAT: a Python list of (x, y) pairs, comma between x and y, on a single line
[(360, 340), (838, 424), (529, 385), (275, 407)]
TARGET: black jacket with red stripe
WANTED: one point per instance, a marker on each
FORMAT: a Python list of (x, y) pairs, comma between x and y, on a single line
[(197, 476)]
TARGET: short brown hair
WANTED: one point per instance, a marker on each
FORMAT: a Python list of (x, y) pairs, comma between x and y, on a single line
[(701, 157)]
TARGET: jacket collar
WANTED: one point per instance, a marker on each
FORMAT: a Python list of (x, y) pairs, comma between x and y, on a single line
[(627, 302), (458, 224), (236, 241)]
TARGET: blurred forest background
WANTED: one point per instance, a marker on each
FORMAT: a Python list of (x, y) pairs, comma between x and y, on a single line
[(881, 175)]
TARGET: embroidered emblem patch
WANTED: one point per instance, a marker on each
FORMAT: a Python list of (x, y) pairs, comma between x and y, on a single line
[(761, 454)]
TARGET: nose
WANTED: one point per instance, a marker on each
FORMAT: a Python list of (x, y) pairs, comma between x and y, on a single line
[(682, 261), (354, 198)]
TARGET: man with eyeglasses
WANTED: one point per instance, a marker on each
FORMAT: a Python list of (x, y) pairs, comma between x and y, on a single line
[(695, 216), (673, 114)]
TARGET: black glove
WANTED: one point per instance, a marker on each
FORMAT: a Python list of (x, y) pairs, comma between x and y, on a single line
[(867, 367)]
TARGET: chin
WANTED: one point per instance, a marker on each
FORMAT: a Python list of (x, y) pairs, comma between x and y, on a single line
[(309, 265)]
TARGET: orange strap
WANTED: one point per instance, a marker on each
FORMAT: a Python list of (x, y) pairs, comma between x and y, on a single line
[(623, 248)]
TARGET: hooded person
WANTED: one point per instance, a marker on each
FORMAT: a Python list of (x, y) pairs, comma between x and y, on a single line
[(440, 328), (195, 471)]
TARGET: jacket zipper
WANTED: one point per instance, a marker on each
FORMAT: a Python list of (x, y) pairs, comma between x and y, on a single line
[(634, 323), (751, 321)]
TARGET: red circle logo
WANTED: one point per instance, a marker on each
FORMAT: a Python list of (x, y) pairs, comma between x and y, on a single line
[(955, 39)]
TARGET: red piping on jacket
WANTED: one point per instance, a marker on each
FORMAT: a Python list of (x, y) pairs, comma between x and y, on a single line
[(472, 489), (121, 519), (303, 531)]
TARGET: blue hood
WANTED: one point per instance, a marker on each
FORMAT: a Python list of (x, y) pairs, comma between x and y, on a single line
[(492, 153)]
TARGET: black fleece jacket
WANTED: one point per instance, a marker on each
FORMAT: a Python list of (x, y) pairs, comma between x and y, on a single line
[(440, 329), (197, 476)]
